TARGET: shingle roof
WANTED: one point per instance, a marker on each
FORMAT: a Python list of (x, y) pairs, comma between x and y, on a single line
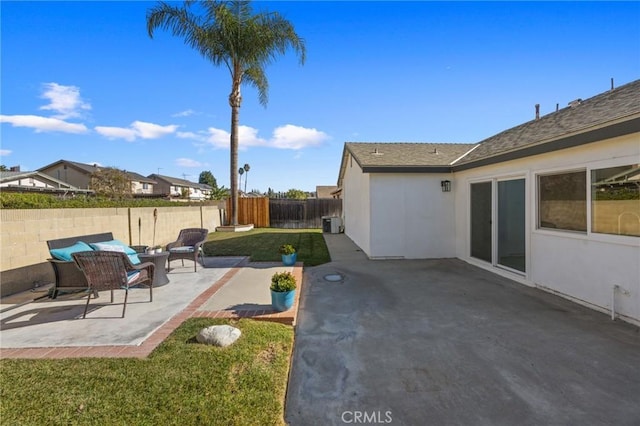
[(373, 154), (90, 168), (139, 178), (588, 114), (12, 175), (176, 181), (610, 114)]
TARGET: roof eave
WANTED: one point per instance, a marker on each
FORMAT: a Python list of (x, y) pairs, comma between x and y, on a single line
[(407, 169), (608, 131)]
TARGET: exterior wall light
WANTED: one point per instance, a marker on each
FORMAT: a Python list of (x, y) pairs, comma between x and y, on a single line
[(445, 185)]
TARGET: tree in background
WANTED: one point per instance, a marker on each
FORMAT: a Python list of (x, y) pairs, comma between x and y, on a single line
[(217, 193), (111, 183), (221, 193), (240, 172), (207, 178), (246, 168), (3, 168), (296, 194), (229, 34)]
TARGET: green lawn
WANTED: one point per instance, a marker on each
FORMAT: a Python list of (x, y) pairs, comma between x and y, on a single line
[(181, 383), (262, 244)]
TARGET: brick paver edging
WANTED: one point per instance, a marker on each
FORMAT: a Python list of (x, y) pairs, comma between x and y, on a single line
[(146, 347), (288, 317)]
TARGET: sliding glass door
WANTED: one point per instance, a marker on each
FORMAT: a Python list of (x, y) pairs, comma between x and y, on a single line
[(481, 234), (509, 214), (511, 224)]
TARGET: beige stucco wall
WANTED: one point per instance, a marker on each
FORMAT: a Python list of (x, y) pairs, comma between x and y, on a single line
[(356, 208), (582, 266), (24, 253)]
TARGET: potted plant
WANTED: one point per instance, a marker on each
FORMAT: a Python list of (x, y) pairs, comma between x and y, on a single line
[(283, 290), (158, 249), (289, 254)]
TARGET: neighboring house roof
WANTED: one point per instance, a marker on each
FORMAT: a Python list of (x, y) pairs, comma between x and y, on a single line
[(203, 186), (325, 191), (86, 168), (604, 116), (56, 185), (179, 182), (90, 168), (139, 178)]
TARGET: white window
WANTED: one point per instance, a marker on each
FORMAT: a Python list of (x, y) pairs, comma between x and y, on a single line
[(615, 200), (562, 201)]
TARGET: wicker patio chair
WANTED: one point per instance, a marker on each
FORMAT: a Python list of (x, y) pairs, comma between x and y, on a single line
[(188, 245), (110, 270)]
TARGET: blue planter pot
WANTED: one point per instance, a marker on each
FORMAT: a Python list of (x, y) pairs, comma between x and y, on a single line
[(282, 300), (289, 259)]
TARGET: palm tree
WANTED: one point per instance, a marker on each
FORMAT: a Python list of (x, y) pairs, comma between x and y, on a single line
[(228, 33), (240, 172), (246, 168)]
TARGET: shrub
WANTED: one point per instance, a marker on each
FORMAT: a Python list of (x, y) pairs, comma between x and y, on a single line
[(283, 281), (14, 200), (286, 249)]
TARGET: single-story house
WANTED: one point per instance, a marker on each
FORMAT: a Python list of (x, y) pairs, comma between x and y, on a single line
[(173, 187), (79, 175), (17, 181), (325, 191), (552, 203)]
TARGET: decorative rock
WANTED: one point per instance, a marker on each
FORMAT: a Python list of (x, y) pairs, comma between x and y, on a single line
[(218, 335)]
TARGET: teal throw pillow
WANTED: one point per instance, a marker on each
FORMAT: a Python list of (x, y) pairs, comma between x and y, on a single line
[(65, 253)]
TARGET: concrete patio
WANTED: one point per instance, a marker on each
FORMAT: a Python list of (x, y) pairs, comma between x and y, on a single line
[(226, 287), (441, 342)]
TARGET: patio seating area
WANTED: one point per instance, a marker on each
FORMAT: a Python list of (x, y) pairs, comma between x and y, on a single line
[(224, 287)]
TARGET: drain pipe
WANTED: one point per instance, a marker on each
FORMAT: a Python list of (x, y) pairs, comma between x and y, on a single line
[(613, 302)]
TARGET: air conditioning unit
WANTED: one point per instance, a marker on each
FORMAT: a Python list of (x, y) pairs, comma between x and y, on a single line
[(331, 224)]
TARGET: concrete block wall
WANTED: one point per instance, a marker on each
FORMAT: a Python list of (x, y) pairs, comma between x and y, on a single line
[(24, 235)]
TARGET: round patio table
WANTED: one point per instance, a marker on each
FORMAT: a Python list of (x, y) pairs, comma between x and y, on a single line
[(160, 271)]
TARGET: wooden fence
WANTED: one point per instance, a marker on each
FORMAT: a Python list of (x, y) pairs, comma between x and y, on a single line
[(286, 213), (252, 210), (298, 214)]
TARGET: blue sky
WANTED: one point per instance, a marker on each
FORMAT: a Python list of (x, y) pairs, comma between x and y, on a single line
[(82, 81)]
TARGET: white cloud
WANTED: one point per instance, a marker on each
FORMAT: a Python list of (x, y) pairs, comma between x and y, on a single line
[(137, 129), (191, 135), (43, 124), (116, 133), (187, 162), (218, 138), (284, 137), (5, 152), (152, 131), (184, 113), (65, 101), (296, 137)]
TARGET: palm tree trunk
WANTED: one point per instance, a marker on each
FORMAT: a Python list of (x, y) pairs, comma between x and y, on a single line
[(235, 99)]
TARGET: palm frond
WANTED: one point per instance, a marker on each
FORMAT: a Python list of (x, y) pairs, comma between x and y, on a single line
[(256, 77)]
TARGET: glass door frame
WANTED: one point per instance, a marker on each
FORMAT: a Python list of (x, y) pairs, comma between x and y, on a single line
[(494, 220)]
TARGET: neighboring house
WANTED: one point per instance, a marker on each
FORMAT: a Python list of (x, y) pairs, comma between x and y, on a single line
[(141, 185), (174, 187), (553, 203), (325, 191), (79, 175), (17, 181)]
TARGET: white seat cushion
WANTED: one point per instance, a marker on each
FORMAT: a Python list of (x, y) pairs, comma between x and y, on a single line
[(183, 249)]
